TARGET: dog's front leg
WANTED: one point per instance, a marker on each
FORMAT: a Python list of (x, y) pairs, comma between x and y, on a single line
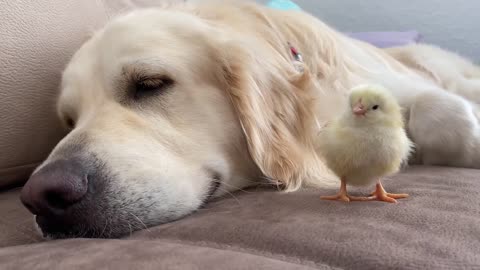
[(468, 88), (445, 127)]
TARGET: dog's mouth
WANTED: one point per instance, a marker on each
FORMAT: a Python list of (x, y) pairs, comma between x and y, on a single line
[(216, 182), (50, 230)]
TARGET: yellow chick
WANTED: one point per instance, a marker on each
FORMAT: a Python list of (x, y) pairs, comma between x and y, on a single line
[(368, 141)]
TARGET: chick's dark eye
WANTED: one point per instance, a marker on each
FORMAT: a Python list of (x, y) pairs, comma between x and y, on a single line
[(151, 86), (375, 107)]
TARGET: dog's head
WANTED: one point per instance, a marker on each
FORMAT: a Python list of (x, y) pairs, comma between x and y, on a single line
[(165, 112)]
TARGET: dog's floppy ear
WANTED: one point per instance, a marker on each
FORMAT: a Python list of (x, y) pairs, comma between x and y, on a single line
[(275, 106)]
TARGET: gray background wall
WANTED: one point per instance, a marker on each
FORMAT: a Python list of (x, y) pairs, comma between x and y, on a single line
[(451, 24)]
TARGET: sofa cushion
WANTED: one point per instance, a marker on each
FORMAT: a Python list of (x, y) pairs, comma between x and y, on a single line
[(436, 228), (138, 254), (16, 223), (37, 40)]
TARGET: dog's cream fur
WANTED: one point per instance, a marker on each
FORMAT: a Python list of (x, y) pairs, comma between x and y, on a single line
[(241, 106)]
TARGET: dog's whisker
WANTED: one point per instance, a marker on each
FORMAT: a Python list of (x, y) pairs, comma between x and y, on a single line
[(82, 234), (234, 187), (105, 227), (140, 221), (130, 227), (231, 194)]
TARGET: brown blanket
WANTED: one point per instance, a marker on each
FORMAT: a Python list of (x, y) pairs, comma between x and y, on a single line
[(437, 228)]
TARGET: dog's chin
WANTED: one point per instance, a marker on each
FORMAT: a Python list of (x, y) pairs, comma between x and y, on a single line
[(52, 231), (46, 235), (108, 228), (49, 229)]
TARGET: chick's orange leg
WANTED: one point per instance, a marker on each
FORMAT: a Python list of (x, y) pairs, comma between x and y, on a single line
[(381, 195), (342, 194)]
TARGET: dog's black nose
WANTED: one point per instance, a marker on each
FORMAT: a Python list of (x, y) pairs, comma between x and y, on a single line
[(54, 188)]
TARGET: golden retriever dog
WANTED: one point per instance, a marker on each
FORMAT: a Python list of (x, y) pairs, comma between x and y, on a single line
[(171, 106)]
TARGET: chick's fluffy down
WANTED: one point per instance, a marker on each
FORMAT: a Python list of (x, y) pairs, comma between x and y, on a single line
[(363, 150)]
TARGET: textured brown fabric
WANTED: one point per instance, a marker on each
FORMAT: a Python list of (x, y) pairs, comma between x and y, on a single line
[(16, 223), (437, 228), (133, 254), (37, 39)]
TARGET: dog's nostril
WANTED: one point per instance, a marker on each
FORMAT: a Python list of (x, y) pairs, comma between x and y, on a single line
[(55, 200)]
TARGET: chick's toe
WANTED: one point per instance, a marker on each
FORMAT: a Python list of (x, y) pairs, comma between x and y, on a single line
[(381, 195), (339, 197)]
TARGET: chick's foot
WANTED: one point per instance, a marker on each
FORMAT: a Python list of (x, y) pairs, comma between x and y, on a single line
[(343, 195), (381, 195)]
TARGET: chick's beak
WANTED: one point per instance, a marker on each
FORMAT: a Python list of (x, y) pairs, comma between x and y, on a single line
[(359, 110)]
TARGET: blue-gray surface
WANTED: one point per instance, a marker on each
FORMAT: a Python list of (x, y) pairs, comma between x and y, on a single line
[(454, 25)]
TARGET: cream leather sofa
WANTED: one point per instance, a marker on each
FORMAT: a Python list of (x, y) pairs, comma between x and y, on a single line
[(437, 228)]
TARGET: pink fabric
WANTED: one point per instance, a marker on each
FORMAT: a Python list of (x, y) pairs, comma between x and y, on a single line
[(387, 39)]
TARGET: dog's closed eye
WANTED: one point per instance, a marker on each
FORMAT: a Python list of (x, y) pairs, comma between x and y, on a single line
[(69, 122), (67, 119), (145, 87)]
